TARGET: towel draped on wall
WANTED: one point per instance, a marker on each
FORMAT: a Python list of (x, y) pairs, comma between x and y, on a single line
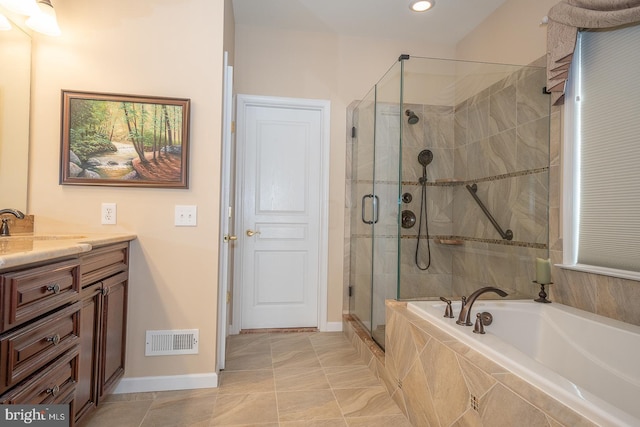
[(569, 16)]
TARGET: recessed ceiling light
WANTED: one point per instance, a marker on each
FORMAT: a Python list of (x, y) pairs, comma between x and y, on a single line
[(421, 5)]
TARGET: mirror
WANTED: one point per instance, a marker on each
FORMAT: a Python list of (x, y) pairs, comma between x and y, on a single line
[(15, 90)]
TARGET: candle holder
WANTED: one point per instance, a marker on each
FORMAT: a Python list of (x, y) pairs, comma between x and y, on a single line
[(542, 294)]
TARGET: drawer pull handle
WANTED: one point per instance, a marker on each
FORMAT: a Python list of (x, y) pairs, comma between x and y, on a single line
[(54, 339), (55, 288), (53, 391), (105, 291)]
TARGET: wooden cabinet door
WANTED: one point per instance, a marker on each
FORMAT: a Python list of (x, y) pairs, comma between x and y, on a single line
[(87, 387), (114, 331)]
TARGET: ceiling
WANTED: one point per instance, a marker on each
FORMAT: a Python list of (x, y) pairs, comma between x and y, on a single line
[(447, 23)]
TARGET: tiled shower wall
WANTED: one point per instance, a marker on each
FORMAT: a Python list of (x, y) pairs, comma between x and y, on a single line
[(502, 145), (498, 139)]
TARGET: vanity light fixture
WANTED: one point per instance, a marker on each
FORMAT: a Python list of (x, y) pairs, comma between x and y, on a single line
[(42, 17), (4, 23), (44, 21), (21, 7), (421, 5)]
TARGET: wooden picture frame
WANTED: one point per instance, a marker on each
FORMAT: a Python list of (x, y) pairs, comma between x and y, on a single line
[(124, 140)]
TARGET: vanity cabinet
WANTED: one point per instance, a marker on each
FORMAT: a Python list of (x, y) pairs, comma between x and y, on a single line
[(40, 333), (63, 329), (103, 301)]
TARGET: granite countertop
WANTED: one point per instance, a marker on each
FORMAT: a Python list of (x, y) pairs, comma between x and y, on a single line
[(18, 250)]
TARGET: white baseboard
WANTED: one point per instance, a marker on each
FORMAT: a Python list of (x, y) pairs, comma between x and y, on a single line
[(166, 383), (332, 327)]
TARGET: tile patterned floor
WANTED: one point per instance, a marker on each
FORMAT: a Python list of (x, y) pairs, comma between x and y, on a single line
[(306, 379)]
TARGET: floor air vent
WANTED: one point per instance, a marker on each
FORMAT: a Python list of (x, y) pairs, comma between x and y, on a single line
[(164, 343)]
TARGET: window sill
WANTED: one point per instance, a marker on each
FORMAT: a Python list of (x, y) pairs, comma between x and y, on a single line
[(604, 271)]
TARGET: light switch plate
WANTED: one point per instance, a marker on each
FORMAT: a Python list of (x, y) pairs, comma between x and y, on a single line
[(186, 216)]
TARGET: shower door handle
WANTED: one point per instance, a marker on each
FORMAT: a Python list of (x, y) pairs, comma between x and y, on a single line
[(364, 198), (376, 208)]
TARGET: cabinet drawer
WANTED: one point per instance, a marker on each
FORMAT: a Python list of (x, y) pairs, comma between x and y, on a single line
[(104, 262), (52, 385), (30, 293), (30, 348)]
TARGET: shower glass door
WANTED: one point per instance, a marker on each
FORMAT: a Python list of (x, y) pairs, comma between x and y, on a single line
[(374, 201), (479, 123), (386, 187), (362, 213)]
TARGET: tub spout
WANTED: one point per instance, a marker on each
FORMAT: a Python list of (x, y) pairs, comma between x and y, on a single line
[(465, 312)]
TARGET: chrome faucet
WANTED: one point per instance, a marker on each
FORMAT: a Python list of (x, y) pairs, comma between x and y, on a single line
[(465, 313), (4, 231)]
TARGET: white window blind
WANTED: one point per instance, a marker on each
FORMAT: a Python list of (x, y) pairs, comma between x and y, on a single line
[(608, 174)]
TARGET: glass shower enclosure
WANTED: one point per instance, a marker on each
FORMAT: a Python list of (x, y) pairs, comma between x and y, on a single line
[(447, 184)]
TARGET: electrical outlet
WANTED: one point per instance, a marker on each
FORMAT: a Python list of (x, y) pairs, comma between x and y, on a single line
[(108, 213), (186, 216)]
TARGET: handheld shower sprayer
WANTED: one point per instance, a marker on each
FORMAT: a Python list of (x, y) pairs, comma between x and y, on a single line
[(425, 157)]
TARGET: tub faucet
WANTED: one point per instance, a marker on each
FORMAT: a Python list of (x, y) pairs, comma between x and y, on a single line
[(465, 312), (4, 231)]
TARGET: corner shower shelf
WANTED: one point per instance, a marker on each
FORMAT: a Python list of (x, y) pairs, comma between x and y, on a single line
[(449, 241), (449, 181)]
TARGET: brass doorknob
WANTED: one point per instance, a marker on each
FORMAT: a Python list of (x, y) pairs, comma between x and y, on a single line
[(251, 232), (228, 237)]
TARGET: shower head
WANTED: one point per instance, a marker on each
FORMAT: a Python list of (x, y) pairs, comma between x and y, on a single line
[(413, 119), (425, 157)]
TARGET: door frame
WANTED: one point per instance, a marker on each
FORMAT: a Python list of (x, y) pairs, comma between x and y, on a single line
[(225, 245), (324, 107)]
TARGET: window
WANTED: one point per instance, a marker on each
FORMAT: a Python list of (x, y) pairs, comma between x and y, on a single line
[(602, 154)]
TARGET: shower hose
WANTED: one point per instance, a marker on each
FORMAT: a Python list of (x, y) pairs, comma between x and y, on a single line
[(423, 214)]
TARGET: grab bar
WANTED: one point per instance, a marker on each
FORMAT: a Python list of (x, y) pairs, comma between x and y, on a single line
[(508, 235)]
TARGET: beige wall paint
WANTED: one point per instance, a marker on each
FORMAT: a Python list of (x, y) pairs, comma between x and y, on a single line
[(167, 48), (510, 35), (275, 62)]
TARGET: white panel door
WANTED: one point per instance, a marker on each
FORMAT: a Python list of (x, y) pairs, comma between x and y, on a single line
[(281, 215)]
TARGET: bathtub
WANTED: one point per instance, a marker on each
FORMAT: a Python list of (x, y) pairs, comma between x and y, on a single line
[(587, 362)]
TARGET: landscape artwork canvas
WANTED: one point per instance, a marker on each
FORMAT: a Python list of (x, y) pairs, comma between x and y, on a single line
[(124, 140)]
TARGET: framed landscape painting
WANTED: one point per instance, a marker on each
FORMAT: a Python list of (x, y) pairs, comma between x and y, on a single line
[(124, 140)]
